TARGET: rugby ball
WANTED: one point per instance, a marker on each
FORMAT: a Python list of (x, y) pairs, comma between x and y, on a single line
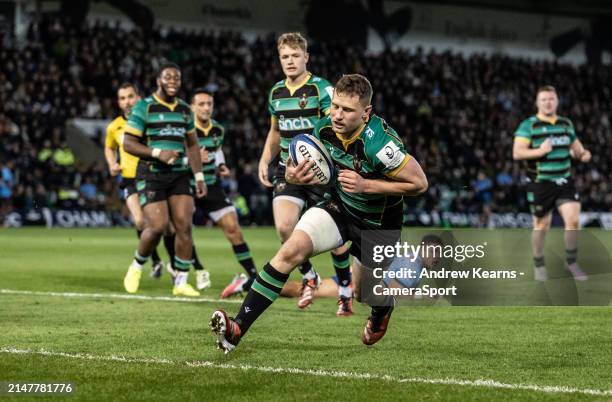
[(304, 146)]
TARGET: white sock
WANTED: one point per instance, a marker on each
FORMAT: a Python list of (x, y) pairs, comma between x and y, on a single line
[(136, 265), (181, 278), (310, 274), (345, 291)]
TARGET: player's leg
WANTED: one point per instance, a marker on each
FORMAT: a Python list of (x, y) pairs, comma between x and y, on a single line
[(541, 197), (315, 233), (227, 219), (381, 306), (181, 213), (156, 219), (286, 209), (541, 225), (136, 211), (570, 212), (342, 266)]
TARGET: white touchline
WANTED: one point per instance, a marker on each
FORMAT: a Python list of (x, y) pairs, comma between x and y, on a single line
[(318, 373), (117, 296)]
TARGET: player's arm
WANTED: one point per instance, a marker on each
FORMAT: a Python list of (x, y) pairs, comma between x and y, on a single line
[(110, 152), (521, 149), (195, 162), (271, 149), (578, 151), (132, 145), (408, 180)]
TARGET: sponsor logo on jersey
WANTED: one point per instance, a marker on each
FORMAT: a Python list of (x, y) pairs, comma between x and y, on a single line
[(172, 131), (303, 101), (390, 155), (562, 140), (370, 132), (297, 123)]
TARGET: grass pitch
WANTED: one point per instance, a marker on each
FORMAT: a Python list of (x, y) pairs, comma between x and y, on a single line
[(153, 348)]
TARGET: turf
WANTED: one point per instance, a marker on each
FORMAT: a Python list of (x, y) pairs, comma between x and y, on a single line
[(542, 346)]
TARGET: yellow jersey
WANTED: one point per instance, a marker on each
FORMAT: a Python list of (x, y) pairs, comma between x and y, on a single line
[(114, 140)]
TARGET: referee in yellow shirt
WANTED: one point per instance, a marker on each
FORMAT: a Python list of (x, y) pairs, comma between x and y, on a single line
[(127, 96)]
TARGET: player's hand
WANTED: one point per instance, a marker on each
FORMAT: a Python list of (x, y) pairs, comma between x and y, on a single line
[(114, 169), (585, 156), (204, 155), (168, 157), (546, 146), (263, 173), (201, 189), (224, 171), (351, 181), (300, 173)]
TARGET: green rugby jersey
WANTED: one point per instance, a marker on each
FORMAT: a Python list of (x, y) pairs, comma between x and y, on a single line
[(162, 125), (297, 109), (375, 151), (557, 163), (211, 138)]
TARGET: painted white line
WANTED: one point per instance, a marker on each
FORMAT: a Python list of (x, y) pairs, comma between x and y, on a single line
[(119, 296), (548, 389)]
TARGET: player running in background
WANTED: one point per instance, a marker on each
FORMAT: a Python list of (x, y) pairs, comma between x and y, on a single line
[(547, 142), (216, 204), (160, 130), (296, 104), (366, 205), (127, 96)]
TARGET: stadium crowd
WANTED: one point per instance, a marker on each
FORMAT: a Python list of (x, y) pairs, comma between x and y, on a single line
[(455, 113)]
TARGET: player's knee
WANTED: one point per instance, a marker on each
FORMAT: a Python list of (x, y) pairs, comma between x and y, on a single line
[(292, 253), (139, 222), (572, 223), (233, 234)]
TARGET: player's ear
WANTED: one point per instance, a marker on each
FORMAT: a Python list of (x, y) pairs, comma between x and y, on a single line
[(306, 56), (366, 113)]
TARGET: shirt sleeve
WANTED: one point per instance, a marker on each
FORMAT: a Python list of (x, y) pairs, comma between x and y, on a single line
[(387, 153), (523, 131), (110, 141), (572, 132), (137, 120), (190, 123), (271, 109), (326, 91)]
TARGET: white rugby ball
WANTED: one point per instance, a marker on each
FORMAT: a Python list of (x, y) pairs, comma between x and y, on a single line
[(304, 146)]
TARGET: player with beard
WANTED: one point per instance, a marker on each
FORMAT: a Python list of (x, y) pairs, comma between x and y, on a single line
[(160, 130)]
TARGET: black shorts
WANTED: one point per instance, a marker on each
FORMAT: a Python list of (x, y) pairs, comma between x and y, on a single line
[(128, 186), (363, 239), (215, 201), (310, 195), (544, 196), (155, 187)]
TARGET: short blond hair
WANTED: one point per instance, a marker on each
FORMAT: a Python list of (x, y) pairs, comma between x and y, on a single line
[(546, 88), (355, 85), (294, 40)]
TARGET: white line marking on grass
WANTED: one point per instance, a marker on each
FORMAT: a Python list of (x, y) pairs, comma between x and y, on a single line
[(548, 389), (117, 296)]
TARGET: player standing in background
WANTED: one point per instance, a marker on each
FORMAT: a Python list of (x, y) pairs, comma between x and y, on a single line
[(547, 142), (216, 204), (160, 130), (127, 96), (361, 209), (296, 104)]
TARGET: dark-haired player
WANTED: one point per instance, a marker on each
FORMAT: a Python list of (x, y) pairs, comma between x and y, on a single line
[(296, 104), (127, 96), (547, 142), (216, 204), (366, 205), (160, 130)]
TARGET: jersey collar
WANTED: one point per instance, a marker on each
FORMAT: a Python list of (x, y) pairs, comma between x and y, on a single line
[(206, 129), (166, 104), (293, 88), (551, 120), (352, 138)]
